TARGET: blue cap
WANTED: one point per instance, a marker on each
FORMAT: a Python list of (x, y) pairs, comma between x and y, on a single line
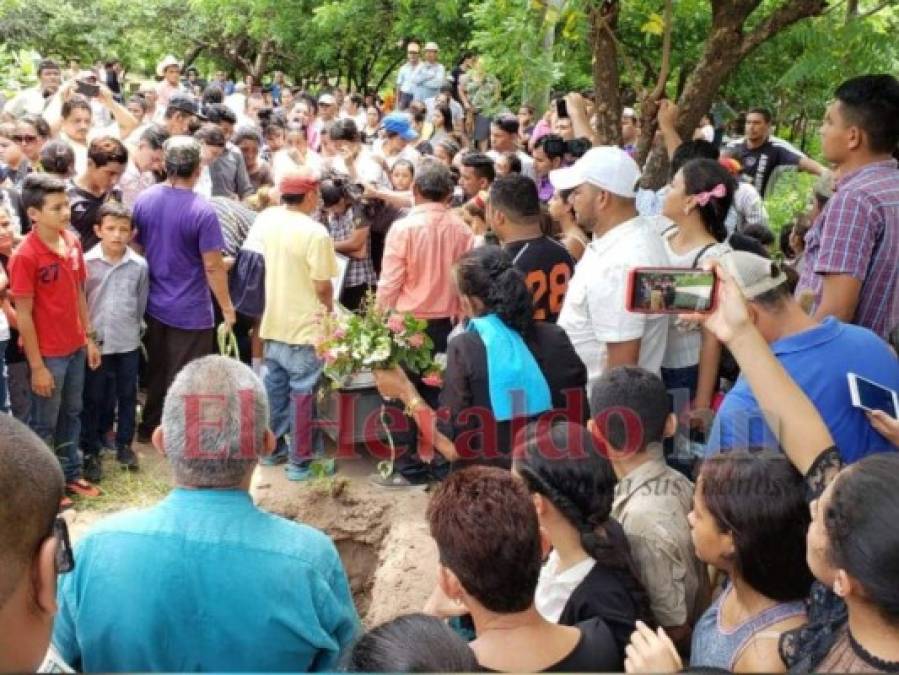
[(399, 123)]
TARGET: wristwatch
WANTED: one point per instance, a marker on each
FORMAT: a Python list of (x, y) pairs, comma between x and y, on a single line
[(92, 335)]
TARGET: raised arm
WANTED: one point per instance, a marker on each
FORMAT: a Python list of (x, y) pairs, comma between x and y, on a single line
[(667, 120)]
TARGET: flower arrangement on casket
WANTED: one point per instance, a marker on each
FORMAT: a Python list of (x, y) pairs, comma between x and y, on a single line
[(375, 339)]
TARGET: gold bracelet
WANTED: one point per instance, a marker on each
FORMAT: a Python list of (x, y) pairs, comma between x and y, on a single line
[(414, 404)]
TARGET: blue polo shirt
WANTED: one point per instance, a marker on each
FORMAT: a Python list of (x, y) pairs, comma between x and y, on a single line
[(818, 360), (204, 581)]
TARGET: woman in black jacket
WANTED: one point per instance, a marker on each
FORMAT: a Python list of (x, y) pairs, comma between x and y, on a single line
[(505, 370)]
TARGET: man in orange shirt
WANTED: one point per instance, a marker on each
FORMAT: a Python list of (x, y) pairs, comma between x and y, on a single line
[(417, 277)]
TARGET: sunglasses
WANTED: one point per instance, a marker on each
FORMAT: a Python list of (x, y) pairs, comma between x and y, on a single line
[(24, 139), (65, 558), (413, 53)]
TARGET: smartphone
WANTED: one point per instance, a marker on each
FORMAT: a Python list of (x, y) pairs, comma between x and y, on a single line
[(561, 107), (869, 395), (671, 290), (87, 89), (65, 559)]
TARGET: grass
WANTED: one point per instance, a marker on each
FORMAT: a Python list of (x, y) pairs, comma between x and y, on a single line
[(127, 489)]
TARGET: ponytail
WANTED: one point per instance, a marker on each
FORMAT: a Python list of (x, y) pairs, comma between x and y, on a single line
[(582, 487)]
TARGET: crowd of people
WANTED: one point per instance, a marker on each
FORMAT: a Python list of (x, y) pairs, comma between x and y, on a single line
[(612, 490)]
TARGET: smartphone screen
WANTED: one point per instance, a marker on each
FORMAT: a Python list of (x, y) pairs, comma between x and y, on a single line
[(87, 89), (561, 107), (671, 291), (874, 397)]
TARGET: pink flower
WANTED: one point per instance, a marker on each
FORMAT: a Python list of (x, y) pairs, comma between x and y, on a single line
[(331, 356), (339, 334), (417, 340), (396, 323), (433, 380)]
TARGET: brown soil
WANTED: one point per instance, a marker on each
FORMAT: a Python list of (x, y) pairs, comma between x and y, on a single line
[(381, 535)]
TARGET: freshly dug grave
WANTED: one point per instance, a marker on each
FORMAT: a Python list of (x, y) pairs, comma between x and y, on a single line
[(381, 536)]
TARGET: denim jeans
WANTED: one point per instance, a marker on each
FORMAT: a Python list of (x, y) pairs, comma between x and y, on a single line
[(4, 391), (681, 384), (122, 370), (18, 385), (293, 372), (57, 419)]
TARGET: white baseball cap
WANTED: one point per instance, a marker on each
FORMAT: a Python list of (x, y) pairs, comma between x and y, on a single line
[(754, 274), (607, 167), (431, 47)]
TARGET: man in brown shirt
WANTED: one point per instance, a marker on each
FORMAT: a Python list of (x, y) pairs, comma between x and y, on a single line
[(652, 500)]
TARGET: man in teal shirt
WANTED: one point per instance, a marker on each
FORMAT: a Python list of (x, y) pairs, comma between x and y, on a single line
[(205, 580)]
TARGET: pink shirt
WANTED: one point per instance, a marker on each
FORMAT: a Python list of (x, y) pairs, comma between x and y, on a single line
[(164, 93), (419, 254)]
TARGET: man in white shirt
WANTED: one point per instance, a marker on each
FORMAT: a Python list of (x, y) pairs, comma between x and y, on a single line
[(594, 314), (35, 99)]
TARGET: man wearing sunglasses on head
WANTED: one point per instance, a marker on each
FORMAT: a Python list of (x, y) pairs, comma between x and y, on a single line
[(33, 546)]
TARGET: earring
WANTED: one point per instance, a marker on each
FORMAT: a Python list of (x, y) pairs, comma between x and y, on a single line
[(837, 587)]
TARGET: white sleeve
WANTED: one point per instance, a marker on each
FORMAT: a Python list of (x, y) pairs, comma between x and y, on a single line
[(609, 318)]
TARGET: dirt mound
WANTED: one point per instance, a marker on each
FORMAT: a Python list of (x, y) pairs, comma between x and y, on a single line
[(381, 536)]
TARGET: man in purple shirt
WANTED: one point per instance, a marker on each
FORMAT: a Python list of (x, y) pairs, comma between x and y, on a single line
[(182, 241), (852, 250)]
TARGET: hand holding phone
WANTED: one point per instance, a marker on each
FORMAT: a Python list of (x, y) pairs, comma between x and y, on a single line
[(87, 88), (871, 396), (671, 290), (561, 107)]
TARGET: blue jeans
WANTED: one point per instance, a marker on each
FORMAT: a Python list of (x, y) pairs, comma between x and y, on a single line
[(122, 370), (293, 372), (4, 391), (681, 384), (57, 419)]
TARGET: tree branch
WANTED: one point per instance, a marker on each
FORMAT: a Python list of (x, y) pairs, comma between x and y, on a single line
[(665, 69), (882, 5), (783, 17)]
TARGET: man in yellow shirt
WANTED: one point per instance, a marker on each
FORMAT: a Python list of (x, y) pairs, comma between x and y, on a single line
[(299, 265)]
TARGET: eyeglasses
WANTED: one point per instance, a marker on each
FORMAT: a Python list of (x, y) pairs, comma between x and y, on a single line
[(24, 139), (65, 559), (413, 53)]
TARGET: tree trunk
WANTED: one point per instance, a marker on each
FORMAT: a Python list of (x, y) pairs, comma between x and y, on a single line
[(603, 21), (725, 48)]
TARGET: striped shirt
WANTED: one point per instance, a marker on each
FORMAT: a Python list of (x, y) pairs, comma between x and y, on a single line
[(116, 298), (857, 234), (360, 271)]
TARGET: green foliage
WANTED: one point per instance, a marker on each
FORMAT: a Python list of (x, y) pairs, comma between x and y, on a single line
[(788, 198), (532, 46)]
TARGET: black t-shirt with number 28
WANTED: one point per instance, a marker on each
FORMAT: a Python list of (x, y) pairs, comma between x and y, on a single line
[(547, 267)]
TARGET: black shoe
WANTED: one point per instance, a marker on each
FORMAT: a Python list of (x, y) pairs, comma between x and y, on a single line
[(144, 435), (127, 459), (92, 470)]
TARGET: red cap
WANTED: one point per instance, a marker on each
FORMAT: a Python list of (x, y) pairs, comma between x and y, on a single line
[(298, 182)]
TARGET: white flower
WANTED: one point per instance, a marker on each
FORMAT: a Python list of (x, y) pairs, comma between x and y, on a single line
[(380, 354)]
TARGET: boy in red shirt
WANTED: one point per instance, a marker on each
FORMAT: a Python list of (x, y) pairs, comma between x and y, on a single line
[(47, 283)]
